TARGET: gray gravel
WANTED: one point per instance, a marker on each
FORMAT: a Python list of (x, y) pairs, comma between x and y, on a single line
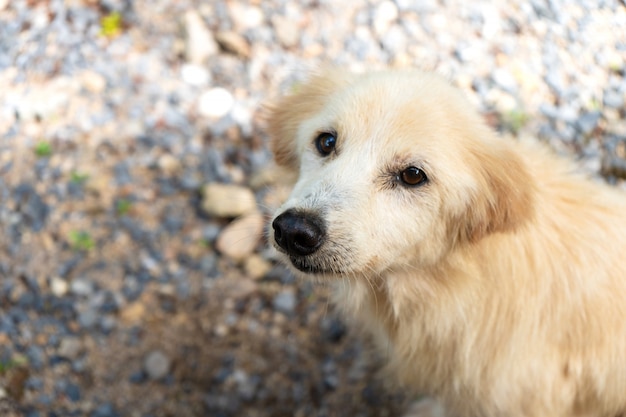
[(125, 289)]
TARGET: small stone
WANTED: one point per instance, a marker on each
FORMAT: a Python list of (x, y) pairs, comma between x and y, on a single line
[(216, 103), (200, 44), (72, 391), (240, 237), (169, 164), (285, 301), (587, 122), (58, 286), (244, 16), (105, 410), (70, 347), (613, 99), (256, 267), (156, 365), (395, 40), (137, 377), (81, 287), (227, 200), (88, 318), (133, 313), (384, 15), (505, 80), (195, 75), (287, 31), (234, 43), (333, 329), (33, 208), (92, 81)]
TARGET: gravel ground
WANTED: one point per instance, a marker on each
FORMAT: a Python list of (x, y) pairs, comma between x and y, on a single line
[(135, 181)]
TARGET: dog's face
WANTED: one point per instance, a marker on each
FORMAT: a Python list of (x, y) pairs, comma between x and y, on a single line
[(394, 170)]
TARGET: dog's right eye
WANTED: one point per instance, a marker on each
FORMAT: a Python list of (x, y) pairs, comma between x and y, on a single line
[(325, 143), (413, 177)]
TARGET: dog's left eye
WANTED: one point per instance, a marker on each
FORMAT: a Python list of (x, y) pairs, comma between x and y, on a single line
[(325, 143), (413, 176)]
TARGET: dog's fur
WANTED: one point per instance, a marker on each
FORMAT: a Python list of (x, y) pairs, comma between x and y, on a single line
[(499, 285)]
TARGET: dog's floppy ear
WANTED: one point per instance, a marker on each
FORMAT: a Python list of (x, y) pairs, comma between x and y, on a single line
[(505, 192), (285, 116)]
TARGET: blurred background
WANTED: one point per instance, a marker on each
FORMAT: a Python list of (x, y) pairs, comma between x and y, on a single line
[(136, 180)]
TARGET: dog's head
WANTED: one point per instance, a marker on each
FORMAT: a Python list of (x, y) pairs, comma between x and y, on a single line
[(394, 170)]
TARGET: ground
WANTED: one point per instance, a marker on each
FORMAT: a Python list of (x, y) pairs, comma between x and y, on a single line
[(127, 288)]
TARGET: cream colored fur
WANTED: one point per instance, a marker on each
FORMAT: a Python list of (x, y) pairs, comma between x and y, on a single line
[(499, 287)]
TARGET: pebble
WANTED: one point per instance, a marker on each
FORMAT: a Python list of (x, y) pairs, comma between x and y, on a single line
[(105, 410), (285, 301), (256, 267), (58, 286), (233, 42), (200, 44), (227, 200), (169, 164), (587, 122), (245, 16), (240, 237), (82, 287), (32, 207), (92, 81), (195, 75), (215, 103), (72, 391), (384, 14), (287, 31), (70, 348), (156, 365), (613, 99)]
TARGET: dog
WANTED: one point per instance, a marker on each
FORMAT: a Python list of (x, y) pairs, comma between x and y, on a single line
[(489, 271)]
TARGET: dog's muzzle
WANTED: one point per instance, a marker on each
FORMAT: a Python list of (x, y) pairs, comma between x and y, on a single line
[(299, 233)]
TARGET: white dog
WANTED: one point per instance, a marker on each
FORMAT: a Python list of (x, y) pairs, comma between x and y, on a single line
[(491, 273)]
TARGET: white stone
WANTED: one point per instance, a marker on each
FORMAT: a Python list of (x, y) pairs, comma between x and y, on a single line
[(200, 44), (245, 17), (157, 365), (241, 236), (58, 286), (384, 15), (92, 81), (216, 103), (287, 31), (70, 347), (195, 75), (227, 200)]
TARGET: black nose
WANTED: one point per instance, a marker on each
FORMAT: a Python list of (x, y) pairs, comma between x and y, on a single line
[(298, 233)]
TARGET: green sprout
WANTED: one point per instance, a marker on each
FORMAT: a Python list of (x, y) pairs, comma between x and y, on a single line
[(123, 206), (81, 240), (111, 25), (594, 104), (14, 362), (515, 120), (43, 149), (78, 178)]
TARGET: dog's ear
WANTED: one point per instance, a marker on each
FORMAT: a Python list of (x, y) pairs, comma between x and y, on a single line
[(285, 115), (503, 200)]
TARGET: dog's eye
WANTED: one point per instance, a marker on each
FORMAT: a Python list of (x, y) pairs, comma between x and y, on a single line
[(413, 176), (325, 143)]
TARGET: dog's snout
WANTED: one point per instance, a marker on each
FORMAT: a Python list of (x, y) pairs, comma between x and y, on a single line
[(298, 233)]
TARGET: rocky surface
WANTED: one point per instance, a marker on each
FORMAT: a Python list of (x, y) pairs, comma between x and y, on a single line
[(130, 285)]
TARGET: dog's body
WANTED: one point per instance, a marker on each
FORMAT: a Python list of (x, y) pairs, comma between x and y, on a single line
[(492, 274)]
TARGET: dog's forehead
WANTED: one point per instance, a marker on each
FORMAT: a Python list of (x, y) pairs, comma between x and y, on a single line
[(384, 118)]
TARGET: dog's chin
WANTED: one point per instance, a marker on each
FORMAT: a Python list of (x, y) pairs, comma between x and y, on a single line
[(313, 269), (304, 265)]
